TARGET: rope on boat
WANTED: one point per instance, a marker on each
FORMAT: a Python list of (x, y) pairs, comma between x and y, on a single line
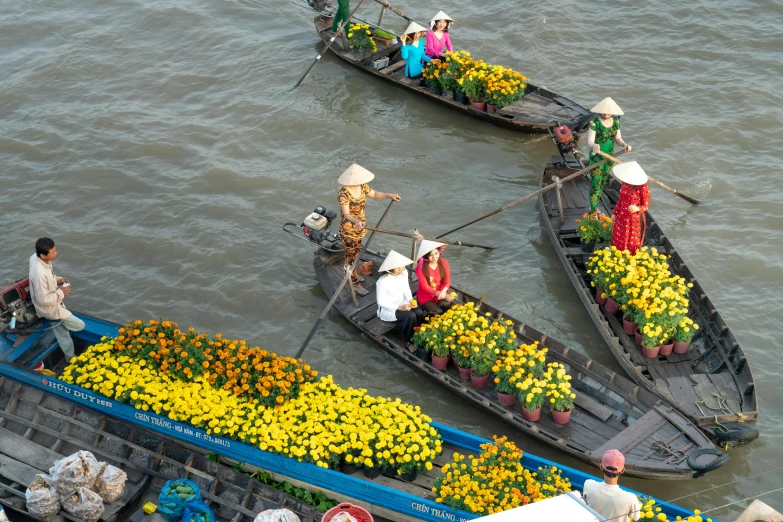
[(675, 456)]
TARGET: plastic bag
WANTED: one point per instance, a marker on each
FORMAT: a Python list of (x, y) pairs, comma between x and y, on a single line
[(174, 496), (197, 512), (342, 516), (77, 471), (83, 503), (3, 518), (110, 484), (42, 498), (276, 515)]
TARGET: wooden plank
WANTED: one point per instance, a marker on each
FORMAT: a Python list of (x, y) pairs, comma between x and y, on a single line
[(377, 327), (386, 71), (664, 388), (593, 406), (682, 389), (655, 372), (704, 389), (634, 434), (16, 471), (575, 194), (727, 387), (19, 448)]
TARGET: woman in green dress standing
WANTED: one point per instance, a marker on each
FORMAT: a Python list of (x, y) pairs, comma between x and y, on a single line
[(343, 12), (602, 134)]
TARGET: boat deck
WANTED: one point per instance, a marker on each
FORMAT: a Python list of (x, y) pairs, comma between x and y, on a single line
[(714, 366)]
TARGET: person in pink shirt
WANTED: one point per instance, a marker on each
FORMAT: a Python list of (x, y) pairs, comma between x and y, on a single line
[(438, 36), (434, 277)]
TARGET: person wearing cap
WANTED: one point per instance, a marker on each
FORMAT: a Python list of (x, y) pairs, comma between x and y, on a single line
[(606, 498), (352, 198), (395, 301), (413, 50), (438, 35), (342, 13), (630, 222), (602, 134), (434, 277)]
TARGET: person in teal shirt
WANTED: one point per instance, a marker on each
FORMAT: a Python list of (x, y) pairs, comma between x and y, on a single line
[(343, 13), (413, 50)]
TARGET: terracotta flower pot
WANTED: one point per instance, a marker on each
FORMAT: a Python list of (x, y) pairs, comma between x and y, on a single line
[(491, 109), (439, 363), (681, 348), (506, 399), (611, 306), (464, 373), (531, 416), (650, 353), (629, 327), (478, 381), (600, 296), (666, 349), (637, 336), (479, 104), (561, 417)]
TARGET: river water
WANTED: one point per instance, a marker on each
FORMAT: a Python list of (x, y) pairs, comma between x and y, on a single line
[(160, 145)]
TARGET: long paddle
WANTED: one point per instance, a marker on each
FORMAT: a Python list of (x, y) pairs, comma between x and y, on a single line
[(663, 186), (458, 243), (340, 288), (329, 44), (536, 193)]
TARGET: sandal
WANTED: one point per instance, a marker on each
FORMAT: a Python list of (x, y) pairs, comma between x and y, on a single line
[(361, 279), (411, 347), (361, 291)]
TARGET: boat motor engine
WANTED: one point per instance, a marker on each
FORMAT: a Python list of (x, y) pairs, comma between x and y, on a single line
[(567, 143), (16, 309), (315, 229)]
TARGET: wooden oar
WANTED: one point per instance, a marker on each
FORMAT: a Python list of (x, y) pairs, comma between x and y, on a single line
[(342, 285), (536, 193), (329, 44), (662, 185), (420, 238)]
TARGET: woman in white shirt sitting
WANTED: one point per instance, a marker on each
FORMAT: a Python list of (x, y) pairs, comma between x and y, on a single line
[(394, 297)]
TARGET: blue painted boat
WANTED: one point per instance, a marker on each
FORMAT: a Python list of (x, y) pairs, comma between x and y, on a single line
[(388, 497)]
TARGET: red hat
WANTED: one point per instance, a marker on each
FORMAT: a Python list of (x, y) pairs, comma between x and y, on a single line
[(613, 459)]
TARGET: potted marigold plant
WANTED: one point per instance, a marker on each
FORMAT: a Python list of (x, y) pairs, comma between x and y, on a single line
[(531, 395), (593, 231), (504, 87), (457, 66), (474, 85), (683, 334), (432, 73), (561, 398), (434, 337), (482, 358), (360, 40), (508, 373)]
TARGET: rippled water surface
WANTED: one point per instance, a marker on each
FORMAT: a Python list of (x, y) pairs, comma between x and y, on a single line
[(160, 144)]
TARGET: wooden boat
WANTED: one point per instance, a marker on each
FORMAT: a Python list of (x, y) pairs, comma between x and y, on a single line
[(714, 365), (610, 411), (530, 114), (99, 421)]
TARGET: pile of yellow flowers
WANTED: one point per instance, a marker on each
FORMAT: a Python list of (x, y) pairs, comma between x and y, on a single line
[(226, 363), (471, 338), (558, 384), (650, 511), (646, 290), (504, 86), (522, 365), (359, 37), (323, 425), (495, 481)]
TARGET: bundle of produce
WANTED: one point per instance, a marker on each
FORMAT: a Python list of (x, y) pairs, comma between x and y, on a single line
[(197, 511), (110, 484), (42, 497), (321, 423), (276, 515), (174, 496), (75, 471), (83, 503)]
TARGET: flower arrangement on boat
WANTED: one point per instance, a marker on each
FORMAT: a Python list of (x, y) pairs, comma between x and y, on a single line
[(594, 229), (504, 86), (646, 291), (497, 473), (558, 384), (360, 37), (474, 82), (525, 363), (320, 423), (651, 511)]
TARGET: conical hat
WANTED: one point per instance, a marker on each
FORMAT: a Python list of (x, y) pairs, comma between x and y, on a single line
[(355, 175), (441, 16), (426, 247), (394, 260), (414, 28), (759, 511), (607, 106), (630, 172)]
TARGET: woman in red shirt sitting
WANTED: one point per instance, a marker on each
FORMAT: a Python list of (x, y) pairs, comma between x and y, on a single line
[(434, 278)]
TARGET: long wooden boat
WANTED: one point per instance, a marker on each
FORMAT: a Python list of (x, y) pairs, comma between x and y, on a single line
[(97, 417), (714, 366), (538, 107), (610, 411)]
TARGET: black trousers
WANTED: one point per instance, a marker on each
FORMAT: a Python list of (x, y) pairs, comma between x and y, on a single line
[(407, 321), (437, 307)]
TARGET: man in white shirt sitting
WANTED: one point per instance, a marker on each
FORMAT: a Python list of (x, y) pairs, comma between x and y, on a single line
[(48, 291), (394, 297), (606, 498)]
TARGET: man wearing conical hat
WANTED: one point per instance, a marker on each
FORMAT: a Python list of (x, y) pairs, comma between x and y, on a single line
[(434, 276), (438, 36), (352, 198), (603, 133), (630, 222), (412, 50), (395, 301)]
